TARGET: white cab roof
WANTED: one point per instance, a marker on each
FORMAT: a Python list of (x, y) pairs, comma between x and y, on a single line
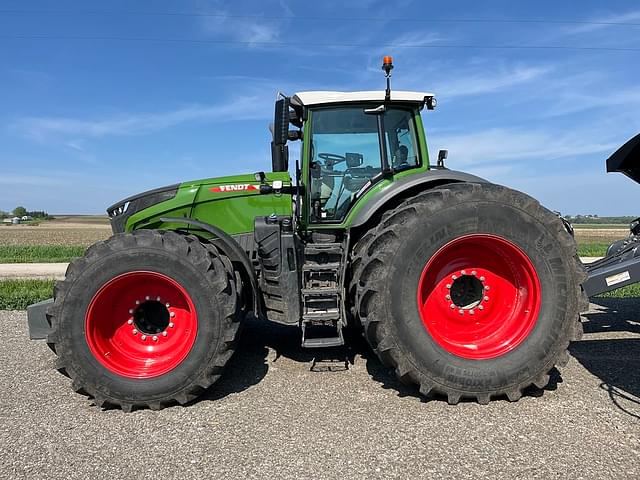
[(323, 97)]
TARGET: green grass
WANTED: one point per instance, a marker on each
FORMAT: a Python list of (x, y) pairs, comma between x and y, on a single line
[(18, 294), (600, 226), (630, 291), (39, 253), (592, 249)]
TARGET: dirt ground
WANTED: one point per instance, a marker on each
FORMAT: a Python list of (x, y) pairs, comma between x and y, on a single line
[(54, 233), (600, 235)]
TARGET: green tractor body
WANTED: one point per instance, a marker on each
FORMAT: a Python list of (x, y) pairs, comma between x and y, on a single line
[(465, 288)]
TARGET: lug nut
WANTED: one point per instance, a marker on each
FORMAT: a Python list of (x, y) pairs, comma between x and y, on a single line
[(170, 324), (448, 297), (472, 312), (448, 285), (134, 331), (482, 279), (453, 277), (463, 272), (137, 302), (130, 321), (486, 299), (164, 334), (143, 337), (131, 311), (155, 338), (172, 314), (158, 299), (147, 297), (480, 307), (167, 305), (461, 312), (452, 306), (486, 287), (473, 272)]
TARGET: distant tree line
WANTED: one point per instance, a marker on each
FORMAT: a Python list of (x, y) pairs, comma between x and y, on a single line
[(597, 220), (23, 212)]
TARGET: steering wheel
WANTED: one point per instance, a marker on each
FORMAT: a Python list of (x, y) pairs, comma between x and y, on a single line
[(330, 159)]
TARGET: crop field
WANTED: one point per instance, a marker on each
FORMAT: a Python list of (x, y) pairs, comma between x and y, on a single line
[(54, 233), (593, 240)]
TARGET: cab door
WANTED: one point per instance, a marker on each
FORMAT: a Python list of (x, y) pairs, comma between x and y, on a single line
[(345, 155)]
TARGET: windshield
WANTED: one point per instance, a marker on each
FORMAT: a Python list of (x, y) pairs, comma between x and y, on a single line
[(345, 155)]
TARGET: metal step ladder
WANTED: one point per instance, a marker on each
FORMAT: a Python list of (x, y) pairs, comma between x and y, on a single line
[(321, 295)]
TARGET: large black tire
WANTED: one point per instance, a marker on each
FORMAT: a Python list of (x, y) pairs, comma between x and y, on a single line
[(204, 275), (387, 270)]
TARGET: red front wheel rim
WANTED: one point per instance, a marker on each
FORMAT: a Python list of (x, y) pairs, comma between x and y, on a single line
[(479, 296), (141, 324)]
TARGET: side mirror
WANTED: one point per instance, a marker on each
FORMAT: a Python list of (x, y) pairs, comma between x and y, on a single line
[(281, 121), (442, 156), (279, 158)]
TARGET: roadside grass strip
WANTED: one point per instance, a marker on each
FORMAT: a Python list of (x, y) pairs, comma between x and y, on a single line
[(18, 294), (40, 253)]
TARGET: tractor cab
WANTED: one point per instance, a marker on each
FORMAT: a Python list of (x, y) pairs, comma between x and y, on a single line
[(352, 142)]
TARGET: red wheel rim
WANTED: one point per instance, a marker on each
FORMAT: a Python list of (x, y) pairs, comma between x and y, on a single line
[(479, 296), (141, 324)]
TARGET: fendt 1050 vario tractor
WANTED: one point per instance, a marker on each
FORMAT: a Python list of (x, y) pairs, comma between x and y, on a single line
[(465, 288)]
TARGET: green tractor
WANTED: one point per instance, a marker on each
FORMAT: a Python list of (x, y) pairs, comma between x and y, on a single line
[(467, 289)]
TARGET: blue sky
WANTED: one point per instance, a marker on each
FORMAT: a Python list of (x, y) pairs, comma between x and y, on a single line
[(101, 108)]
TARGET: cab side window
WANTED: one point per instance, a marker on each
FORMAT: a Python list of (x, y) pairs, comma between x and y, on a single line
[(400, 136)]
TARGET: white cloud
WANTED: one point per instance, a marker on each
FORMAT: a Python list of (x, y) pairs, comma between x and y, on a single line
[(574, 101), (499, 145), (243, 108), (479, 83), (605, 22), (241, 29)]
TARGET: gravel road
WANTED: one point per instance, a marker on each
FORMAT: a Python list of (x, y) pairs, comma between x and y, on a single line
[(270, 417)]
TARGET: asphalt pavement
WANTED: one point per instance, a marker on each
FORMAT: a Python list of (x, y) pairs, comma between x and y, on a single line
[(271, 417)]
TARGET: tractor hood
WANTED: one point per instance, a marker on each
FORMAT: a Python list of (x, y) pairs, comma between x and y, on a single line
[(230, 203), (627, 159)]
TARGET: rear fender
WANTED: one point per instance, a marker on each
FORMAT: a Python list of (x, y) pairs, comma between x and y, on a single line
[(410, 185)]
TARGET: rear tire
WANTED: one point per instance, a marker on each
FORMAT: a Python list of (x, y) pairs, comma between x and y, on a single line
[(504, 332), (145, 319)]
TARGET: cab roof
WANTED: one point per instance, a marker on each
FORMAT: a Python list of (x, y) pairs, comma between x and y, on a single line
[(328, 97)]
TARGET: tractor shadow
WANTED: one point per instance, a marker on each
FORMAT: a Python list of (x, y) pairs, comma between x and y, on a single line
[(615, 361), (263, 343)]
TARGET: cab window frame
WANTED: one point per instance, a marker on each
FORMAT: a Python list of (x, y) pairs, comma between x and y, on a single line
[(412, 110)]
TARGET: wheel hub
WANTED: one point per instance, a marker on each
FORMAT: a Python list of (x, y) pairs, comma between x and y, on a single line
[(466, 291), (151, 316)]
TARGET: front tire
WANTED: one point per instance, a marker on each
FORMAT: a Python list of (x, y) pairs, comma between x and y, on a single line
[(145, 319), (470, 291)]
